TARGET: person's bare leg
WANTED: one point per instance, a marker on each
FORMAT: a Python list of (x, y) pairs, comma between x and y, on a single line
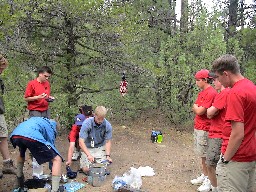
[(56, 173), (4, 148), (20, 174), (212, 175), (204, 166), (8, 165)]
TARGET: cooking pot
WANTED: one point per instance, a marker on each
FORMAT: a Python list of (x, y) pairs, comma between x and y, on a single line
[(97, 174)]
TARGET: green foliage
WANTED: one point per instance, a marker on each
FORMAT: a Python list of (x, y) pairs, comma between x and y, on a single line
[(184, 55), (90, 43)]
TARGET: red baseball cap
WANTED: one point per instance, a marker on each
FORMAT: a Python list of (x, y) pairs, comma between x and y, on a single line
[(203, 74)]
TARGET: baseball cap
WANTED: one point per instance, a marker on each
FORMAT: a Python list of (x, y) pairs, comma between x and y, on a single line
[(79, 119), (203, 74)]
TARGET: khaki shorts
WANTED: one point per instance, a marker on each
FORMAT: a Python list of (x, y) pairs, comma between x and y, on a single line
[(98, 153), (3, 127), (236, 176), (200, 142), (213, 151)]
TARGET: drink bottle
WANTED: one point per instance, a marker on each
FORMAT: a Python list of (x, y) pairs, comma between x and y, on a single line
[(38, 170), (159, 137)]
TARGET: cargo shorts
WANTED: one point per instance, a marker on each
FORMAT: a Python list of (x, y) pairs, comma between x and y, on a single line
[(98, 153), (213, 151), (200, 142), (236, 176)]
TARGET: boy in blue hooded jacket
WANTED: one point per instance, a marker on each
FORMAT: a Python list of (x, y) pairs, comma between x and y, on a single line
[(37, 134)]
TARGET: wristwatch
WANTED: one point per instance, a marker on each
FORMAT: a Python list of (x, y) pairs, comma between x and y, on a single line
[(223, 160)]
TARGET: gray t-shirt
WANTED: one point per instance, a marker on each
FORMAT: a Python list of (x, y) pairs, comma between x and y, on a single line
[(90, 131)]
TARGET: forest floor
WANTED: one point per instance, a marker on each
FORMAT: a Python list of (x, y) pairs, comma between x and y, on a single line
[(173, 160)]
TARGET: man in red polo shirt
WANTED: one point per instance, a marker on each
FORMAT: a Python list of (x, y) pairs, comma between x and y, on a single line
[(217, 115), (201, 122), (236, 168), (38, 92)]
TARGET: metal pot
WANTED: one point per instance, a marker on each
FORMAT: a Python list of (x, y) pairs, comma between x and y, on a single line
[(97, 174)]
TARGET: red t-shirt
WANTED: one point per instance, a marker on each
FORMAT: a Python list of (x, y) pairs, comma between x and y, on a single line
[(241, 107), (218, 121), (74, 133), (35, 88), (204, 99)]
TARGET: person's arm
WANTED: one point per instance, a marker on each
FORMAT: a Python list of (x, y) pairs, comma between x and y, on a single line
[(211, 112), (198, 110), (235, 139), (85, 149), (42, 96), (108, 150), (70, 153)]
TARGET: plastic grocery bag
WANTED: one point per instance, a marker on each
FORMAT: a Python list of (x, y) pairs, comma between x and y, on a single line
[(131, 179)]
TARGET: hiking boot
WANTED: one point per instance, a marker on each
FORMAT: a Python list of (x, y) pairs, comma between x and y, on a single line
[(206, 186), (8, 167), (199, 180)]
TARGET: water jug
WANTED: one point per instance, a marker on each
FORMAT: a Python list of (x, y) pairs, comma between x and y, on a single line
[(38, 170)]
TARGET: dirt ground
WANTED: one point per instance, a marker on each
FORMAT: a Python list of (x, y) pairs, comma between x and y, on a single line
[(173, 160)]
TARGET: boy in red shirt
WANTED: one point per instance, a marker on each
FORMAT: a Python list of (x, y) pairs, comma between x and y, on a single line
[(73, 139), (217, 115), (201, 122), (236, 168), (73, 151), (38, 92)]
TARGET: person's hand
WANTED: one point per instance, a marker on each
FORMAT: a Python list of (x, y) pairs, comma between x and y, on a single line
[(68, 163), (51, 97), (109, 159), (90, 158)]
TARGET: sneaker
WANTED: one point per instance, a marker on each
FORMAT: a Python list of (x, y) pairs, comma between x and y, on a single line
[(18, 190), (206, 186), (199, 180), (75, 156), (8, 167)]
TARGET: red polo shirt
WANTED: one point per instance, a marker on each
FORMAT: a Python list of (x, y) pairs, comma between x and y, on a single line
[(204, 99), (241, 107), (217, 122), (35, 88)]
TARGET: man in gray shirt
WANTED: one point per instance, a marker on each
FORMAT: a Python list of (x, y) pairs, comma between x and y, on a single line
[(95, 139)]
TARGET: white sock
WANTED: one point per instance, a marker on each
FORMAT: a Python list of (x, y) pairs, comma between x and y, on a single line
[(55, 183)]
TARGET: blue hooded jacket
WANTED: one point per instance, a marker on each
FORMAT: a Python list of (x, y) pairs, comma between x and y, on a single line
[(40, 129)]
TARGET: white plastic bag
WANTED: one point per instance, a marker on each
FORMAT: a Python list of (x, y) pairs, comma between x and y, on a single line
[(135, 180), (146, 171)]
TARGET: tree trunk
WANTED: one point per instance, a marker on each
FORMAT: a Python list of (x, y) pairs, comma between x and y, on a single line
[(184, 16)]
